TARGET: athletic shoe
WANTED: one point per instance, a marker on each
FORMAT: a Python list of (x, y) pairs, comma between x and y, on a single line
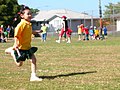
[(58, 41), (68, 42), (35, 78), (9, 50)]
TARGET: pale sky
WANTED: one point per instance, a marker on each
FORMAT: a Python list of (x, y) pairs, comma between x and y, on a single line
[(88, 6)]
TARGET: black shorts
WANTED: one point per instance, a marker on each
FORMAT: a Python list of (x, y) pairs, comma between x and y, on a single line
[(25, 54)]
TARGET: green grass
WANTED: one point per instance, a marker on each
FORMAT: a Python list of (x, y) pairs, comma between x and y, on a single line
[(85, 65)]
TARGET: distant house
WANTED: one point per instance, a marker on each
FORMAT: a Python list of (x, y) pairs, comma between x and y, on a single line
[(117, 17), (53, 19)]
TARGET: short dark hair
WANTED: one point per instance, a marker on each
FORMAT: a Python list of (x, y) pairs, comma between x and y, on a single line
[(17, 16), (23, 7)]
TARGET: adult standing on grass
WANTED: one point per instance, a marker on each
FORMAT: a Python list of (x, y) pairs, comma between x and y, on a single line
[(22, 42), (44, 29)]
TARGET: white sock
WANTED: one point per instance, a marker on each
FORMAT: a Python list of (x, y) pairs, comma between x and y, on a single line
[(33, 74)]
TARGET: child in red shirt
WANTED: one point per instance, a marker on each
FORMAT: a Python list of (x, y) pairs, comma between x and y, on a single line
[(86, 33)]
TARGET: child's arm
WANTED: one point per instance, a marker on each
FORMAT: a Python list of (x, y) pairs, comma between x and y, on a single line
[(37, 31), (16, 43)]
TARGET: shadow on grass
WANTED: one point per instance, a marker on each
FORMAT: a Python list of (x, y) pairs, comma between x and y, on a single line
[(66, 75)]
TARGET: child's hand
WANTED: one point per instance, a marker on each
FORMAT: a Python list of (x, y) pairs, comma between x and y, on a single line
[(15, 47)]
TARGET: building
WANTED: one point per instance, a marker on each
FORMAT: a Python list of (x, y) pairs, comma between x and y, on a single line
[(53, 19), (117, 19)]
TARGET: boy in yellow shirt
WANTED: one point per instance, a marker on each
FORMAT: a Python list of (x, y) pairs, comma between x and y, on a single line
[(22, 42)]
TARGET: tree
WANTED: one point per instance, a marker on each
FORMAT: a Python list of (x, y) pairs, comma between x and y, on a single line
[(8, 11), (34, 10), (8, 8), (111, 10)]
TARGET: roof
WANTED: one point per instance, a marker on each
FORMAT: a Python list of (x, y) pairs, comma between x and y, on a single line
[(116, 16), (48, 14)]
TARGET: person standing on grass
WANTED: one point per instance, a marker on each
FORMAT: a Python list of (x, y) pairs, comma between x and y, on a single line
[(105, 32), (82, 31), (66, 30), (91, 33), (22, 42), (96, 33), (44, 29), (8, 29), (79, 32), (7, 33), (86, 33), (1, 34)]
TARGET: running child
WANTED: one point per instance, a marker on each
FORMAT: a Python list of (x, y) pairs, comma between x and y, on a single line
[(22, 43), (65, 30)]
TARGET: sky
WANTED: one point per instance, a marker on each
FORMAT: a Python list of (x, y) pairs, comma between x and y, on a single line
[(87, 6)]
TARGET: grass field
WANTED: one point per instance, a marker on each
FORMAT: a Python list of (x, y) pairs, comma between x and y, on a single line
[(85, 65)]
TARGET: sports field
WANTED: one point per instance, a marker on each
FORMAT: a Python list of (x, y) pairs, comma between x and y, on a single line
[(85, 65)]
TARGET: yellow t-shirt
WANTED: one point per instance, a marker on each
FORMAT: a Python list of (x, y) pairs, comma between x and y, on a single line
[(96, 32), (23, 32), (44, 29)]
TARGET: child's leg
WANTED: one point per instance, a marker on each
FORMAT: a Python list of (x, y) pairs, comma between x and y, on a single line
[(83, 36), (60, 35), (69, 40), (58, 41), (68, 35), (11, 51), (33, 70), (79, 36)]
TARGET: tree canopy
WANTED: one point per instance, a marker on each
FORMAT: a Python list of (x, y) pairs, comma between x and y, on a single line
[(111, 9), (8, 10)]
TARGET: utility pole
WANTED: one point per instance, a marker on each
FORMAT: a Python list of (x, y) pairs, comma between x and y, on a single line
[(92, 19), (100, 15)]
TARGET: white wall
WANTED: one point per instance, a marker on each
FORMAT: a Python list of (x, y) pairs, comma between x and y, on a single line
[(118, 24), (55, 24)]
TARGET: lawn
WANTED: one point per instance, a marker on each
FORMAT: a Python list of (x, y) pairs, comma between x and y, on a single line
[(84, 65)]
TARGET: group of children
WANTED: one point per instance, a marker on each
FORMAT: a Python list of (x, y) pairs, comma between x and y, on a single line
[(92, 33)]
